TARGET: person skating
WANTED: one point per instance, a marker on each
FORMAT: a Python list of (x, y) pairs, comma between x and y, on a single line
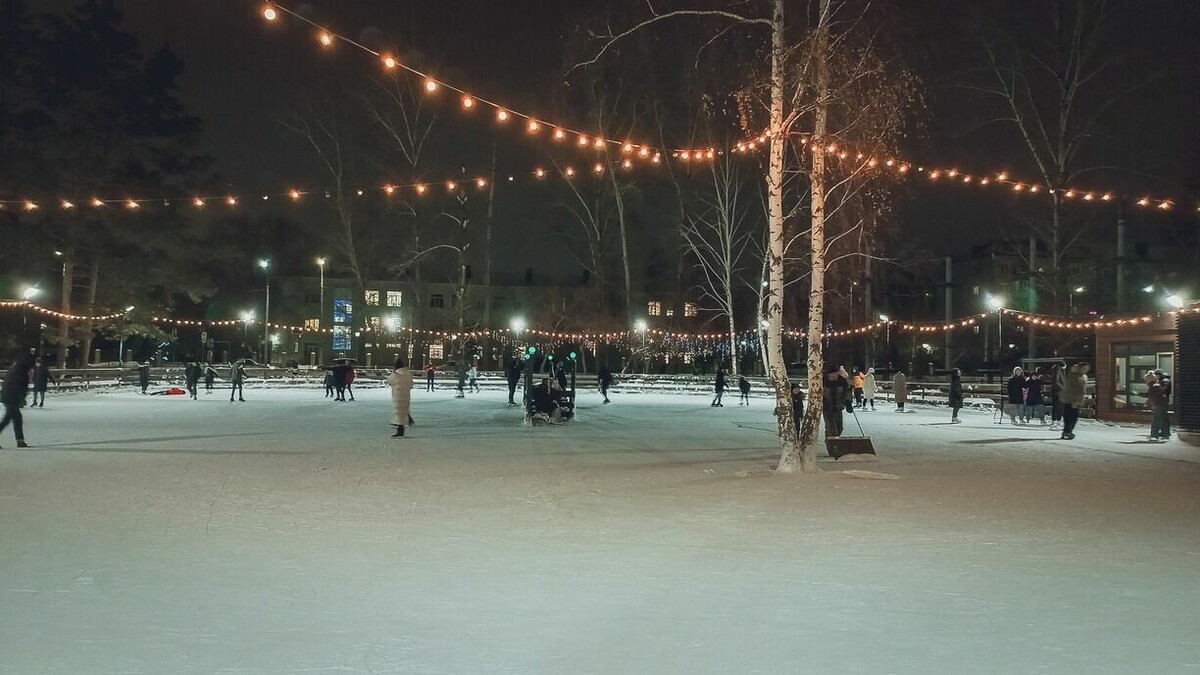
[(237, 375), (461, 367), (430, 372), (956, 395), (210, 374), (473, 379), (1073, 394), (605, 377), (900, 390), (859, 382), (797, 407), (836, 393), (144, 377), (338, 371), (512, 375), (328, 381), (1015, 392), (350, 375), (560, 376), (42, 377), (719, 387), (869, 388), (191, 377), (744, 389), (1058, 376), (1157, 398), (401, 383), (12, 394), (1035, 401)]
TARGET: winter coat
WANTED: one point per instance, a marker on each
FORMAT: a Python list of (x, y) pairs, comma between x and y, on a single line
[(42, 377), (191, 373), (606, 376), (560, 376), (209, 374), (401, 382), (1016, 389), (836, 392), (1057, 379), (143, 375), (430, 370), (797, 407), (16, 381), (237, 373), (869, 387), (1034, 396), (720, 385), (1165, 380), (472, 373), (956, 392), (1156, 397), (513, 374), (900, 388), (858, 381), (744, 385), (1074, 388), (350, 374)]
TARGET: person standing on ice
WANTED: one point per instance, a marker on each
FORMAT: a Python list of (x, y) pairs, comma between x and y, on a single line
[(836, 394), (350, 375), (512, 375), (900, 390), (473, 379), (956, 395), (144, 377), (869, 388), (430, 372), (744, 388), (13, 393), (1035, 401), (237, 375), (191, 377), (1073, 394), (1157, 398), (797, 406), (1016, 396), (1164, 378), (719, 387), (1058, 376), (42, 377), (605, 377), (401, 383), (859, 381), (461, 368), (210, 374)]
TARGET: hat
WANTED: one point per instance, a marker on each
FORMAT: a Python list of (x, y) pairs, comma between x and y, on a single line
[(870, 371), (1150, 376)]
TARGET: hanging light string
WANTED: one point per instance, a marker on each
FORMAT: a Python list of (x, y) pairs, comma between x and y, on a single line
[(999, 179), (25, 304), (416, 189)]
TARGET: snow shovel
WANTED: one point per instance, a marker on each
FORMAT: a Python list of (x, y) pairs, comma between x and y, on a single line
[(850, 445)]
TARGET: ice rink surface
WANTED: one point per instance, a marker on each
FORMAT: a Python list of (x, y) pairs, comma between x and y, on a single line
[(290, 534)]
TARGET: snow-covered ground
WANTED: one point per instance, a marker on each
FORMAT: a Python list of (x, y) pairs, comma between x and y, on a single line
[(290, 534)]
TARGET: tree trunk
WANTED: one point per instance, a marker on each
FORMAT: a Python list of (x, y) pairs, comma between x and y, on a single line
[(64, 326), (487, 264), (791, 455), (733, 347), (89, 326)]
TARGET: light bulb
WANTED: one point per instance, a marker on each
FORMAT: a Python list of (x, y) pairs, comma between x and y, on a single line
[(325, 38), (468, 102)]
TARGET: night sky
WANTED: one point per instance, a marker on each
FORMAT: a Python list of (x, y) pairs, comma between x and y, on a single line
[(242, 74)]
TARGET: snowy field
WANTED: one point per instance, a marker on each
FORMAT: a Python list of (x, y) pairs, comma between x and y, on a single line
[(290, 534)]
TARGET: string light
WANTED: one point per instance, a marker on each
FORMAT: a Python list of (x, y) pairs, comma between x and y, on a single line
[(325, 38), (294, 194), (67, 204), (502, 115), (269, 13), (559, 134), (390, 62), (533, 126), (198, 202)]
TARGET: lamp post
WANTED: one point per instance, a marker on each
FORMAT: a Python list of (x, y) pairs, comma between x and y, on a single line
[(247, 317), (1174, 300), (321, 309), (998, 305), (266, 266), (641, 328), (1071, 297), (27, 294), (121, 349), (887, 333)]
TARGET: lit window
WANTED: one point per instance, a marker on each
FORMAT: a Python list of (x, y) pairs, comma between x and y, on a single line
[(437, 301), (393, 298), (689, 309), (654, 308), (435, 352), (312, 324), (371, 297), (670, 312)]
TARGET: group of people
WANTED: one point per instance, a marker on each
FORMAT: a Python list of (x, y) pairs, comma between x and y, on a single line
[(1025, 396), (339, 379), (1158, 395), (719, 388)]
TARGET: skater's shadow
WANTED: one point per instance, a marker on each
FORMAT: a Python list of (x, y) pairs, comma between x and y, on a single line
[(157, 439), (993, 441)]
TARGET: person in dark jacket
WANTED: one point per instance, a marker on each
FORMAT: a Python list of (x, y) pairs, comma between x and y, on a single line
[(13, 393), (350, 375), (1035, 402), (1164, 379), (42, 377), (605, 377), (210, 374), (744, 389), (956, 395), (836, 393), (512, 374), (797, 407), (1015, 393), (560, 375), (719, 387), (430, 372), (1157, 400), (237, 375), (328, 381), (461, 370), (144, 376), (191, 376), (338, 371), (1058, 376)]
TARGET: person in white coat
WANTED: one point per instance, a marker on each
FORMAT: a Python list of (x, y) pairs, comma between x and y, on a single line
[(869, 388), (401, 382)]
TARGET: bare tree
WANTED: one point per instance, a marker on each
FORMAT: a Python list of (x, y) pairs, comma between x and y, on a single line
[(719, 237)]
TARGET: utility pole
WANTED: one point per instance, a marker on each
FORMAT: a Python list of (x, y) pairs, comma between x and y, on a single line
[(1122, 269), (1031, 332), (947, 359)]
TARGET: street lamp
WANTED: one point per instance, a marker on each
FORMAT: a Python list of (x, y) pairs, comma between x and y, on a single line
[(321, 314), (887, 332), (518, 325), (247, 319), (1071, 296), (641, 327), (998, 305), (1175, 301), (265, 265), (27, 294), (121, 349)]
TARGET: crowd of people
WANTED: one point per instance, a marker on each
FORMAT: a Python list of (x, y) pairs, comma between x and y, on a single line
[(1025, 396)]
